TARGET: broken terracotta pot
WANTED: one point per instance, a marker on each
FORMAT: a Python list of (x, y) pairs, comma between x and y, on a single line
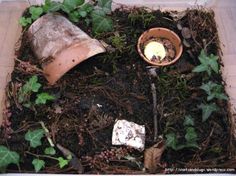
[(151, 37), (60, 45)]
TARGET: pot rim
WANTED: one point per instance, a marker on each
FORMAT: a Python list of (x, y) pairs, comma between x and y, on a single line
[(160, 64)]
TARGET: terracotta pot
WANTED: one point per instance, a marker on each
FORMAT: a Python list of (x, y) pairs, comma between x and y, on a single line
[(160, 33), (60, 45)]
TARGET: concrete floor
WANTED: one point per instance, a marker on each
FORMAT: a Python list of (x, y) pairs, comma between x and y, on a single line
[(225, 11)]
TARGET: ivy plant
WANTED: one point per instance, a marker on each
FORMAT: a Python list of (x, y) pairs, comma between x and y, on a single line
[(190, 136), (207, 63), (100, 22), (207, 110), (35, 13), (30, 87), (76, 10), (7, 157), (26, 90), (214, 90), (35, 137)]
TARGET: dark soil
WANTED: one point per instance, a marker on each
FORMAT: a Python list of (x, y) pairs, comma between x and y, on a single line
[(120, 82)]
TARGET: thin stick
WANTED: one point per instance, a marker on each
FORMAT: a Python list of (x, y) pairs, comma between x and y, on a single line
[(154, 96), (47, 134)]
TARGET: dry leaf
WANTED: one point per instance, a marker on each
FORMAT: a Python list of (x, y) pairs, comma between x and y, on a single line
[(152, 156)]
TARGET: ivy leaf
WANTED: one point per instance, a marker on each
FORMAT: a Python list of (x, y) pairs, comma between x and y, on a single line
[(100, 22), (35, 12), (208, 63), (86, 7), (62, 162), (25, 21), (82, 13), (188, 121), (207, 110), (34, 137), (8, 157), (50, 151), (51, 6), (70, 5), (171, 140), (191, 135), (38, 164), (213, 63), (42, 98), (32, 85), (200, 68), (105, 5), (74, 16)]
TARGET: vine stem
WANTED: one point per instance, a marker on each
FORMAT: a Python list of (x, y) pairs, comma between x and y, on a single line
[(42, 156)]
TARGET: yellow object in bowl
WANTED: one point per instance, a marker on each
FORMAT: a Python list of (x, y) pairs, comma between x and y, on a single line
[(154, 49)]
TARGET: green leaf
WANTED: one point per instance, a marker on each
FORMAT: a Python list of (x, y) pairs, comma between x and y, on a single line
[(34, 137), (86, 7), (100, 22), (200, 68), (25, 91), (188, 121), (8, 157), (208, 63), (51, 6), (25, 21), (32, 85), (207, 110), (213, 63), (50, 151), (202, 57), (191, 135), (42, 98), (171, 140), (105, 5), (35, 12), (70, 5), (83, 13), (74, 16), (38, 164), (213, 90), (62, 162)]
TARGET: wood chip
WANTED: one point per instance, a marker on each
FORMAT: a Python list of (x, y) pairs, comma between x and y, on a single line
[(186, 44), (186, 33)]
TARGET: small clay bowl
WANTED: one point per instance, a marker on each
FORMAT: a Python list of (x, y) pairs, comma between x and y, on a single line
[(160, 33)]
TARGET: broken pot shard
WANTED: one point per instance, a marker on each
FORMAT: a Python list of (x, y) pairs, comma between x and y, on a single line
[(129, 134), (60, 45)]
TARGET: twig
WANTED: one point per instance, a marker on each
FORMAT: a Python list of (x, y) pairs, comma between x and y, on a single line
[(154, 96), (207, 44), (47, 134)]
